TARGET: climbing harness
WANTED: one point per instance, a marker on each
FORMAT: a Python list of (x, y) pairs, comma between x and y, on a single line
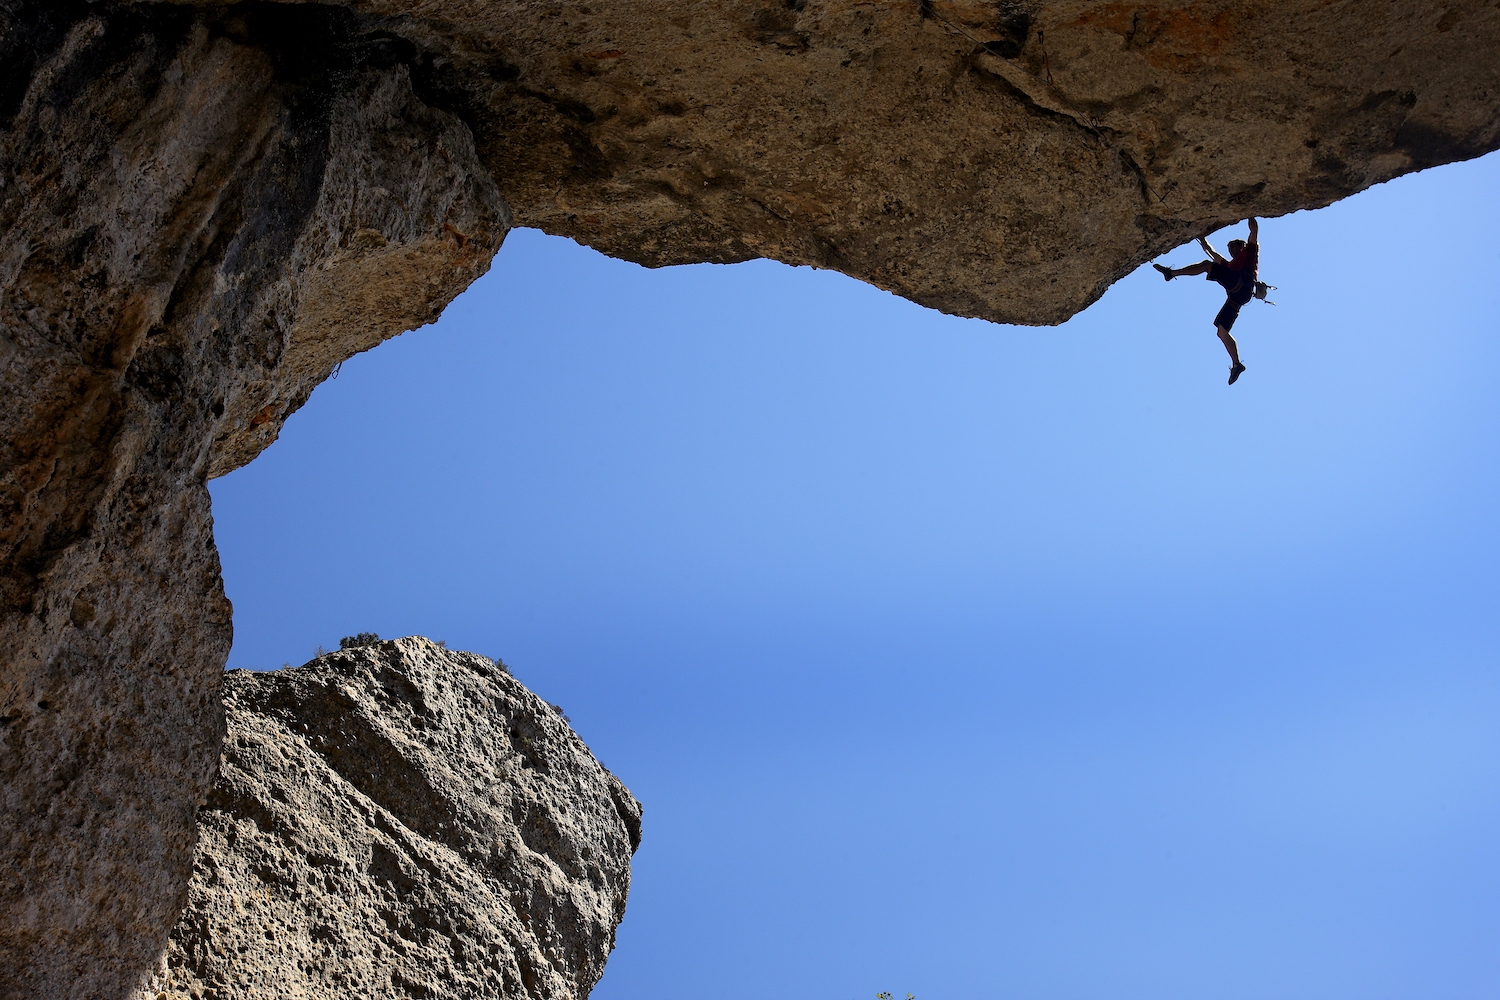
[(1262, 290)]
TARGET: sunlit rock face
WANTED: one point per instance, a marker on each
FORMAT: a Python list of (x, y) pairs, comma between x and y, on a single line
[(205, 207), (865, 137), (398, 820)]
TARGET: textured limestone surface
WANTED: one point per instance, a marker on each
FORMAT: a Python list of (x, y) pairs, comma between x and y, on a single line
[(860, 135), (205, 206), (398, 820), (194, 229)]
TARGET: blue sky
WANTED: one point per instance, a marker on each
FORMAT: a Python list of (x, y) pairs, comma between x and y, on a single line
[(957, 659)]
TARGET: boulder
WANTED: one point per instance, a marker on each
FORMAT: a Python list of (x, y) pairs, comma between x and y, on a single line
[(398, 820)]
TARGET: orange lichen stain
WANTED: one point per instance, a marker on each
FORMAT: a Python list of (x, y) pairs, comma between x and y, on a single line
[(261, 417), (1176, 39)]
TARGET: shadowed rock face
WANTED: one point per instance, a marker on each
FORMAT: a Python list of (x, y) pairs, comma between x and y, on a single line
[(194, 229), (205, 207), (398, 820)]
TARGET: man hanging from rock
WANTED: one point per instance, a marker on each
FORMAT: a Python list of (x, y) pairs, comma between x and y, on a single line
[(1238, 276)]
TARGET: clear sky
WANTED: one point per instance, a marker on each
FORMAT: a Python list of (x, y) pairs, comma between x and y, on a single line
[(957, 659)]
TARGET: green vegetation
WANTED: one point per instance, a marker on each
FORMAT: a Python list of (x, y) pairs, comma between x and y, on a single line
[(362, 639)]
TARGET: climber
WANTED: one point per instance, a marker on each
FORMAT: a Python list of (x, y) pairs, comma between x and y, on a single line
[(1238, 276)]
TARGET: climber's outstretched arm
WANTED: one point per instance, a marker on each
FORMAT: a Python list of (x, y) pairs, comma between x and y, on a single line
[(1254, 232), (1208, 249)]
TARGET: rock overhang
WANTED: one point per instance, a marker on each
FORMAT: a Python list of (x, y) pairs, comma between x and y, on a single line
[(1007, 160), (206, 207)]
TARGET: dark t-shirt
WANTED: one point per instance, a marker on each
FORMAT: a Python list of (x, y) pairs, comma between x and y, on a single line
[(1238, 276), (1247, 259), (1237, 282)]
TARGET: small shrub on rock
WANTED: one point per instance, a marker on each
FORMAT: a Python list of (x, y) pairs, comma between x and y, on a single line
[(363, 639)]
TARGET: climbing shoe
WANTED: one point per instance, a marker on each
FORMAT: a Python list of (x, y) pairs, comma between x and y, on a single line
[(1166, 272), (1235, 372)]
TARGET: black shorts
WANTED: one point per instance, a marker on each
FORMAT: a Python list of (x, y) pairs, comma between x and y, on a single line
[(1229, 313), (1240, 287), (1223, 274)]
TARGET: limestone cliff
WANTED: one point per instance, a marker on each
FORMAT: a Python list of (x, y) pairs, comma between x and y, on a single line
[(198, 219), (204, 207), (397, 820)]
